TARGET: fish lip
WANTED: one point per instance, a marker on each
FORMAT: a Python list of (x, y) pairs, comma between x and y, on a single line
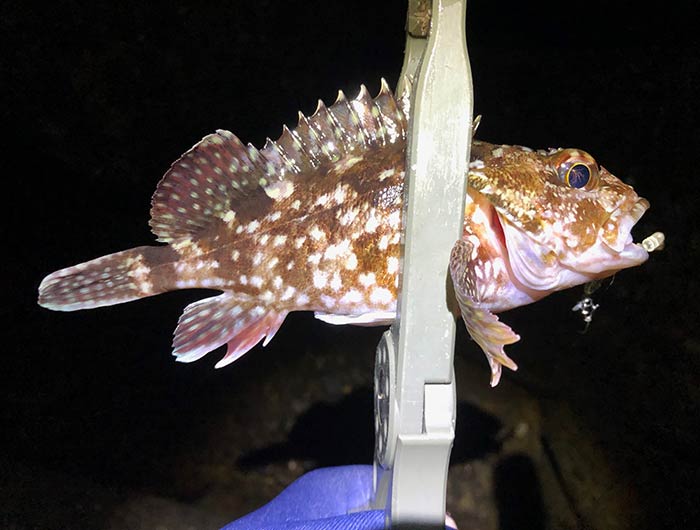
[(630, 253), (639, 208), (627, 219)]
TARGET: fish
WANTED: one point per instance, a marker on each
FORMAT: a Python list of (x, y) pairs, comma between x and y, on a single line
[(313, 222)]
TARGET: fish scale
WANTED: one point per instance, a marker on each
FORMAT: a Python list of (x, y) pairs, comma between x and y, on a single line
[(312, 221)]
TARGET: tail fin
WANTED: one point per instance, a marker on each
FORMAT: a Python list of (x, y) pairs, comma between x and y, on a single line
[(109, 280)]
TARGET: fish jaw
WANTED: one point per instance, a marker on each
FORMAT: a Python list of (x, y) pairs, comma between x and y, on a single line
[(628, 253), (614, 249), (545, 268)]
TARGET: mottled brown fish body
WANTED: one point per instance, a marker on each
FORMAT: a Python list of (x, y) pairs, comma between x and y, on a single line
[(336, 254), (312, 221)]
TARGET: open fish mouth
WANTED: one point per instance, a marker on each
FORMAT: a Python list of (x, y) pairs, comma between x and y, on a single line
[(622, 244)]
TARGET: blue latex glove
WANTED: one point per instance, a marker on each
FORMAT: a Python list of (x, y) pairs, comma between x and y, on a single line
[(319, 500)]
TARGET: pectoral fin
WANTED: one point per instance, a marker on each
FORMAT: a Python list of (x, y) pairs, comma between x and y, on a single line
[(483, 326)]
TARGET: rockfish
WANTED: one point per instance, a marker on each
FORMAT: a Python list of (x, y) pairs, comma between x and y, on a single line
[(312, 222)]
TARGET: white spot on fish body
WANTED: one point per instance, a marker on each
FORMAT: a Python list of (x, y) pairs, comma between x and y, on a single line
[(336, 282), (263, 239), (257, 259), (316, 233), (256, 281), (380, 295), (252, 226), (279, 240), (392, 264), (322, 200), (348, 217), (320, 279), (299, 241), (372, 223), (235, 255), (288, 293), (243, 279), (351, 262), (328, 301), (296, 204), (273, 261), (314, 258), (352, 297), (367, 279), (383, 243), (302, 300), (339, 194), (277, 282), (334, 251), (394, 219), (275, 216)]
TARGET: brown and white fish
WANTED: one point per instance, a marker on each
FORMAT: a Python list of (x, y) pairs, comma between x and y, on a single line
[(312, 222)]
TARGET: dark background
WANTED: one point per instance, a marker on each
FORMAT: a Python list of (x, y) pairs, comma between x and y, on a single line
[(101, 429)]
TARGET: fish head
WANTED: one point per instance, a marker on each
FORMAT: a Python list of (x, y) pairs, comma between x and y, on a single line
[(562, 219)]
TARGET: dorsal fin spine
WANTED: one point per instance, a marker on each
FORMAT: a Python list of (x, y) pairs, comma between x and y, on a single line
[(363, 137), (348, 123), (314, 140), (206, 182), (299, 148), (340, 129), (292, 162)]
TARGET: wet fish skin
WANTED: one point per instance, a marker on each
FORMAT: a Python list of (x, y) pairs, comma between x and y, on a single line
[(312, 221)]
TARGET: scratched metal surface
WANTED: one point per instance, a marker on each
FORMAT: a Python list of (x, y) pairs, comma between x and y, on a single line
[(102, 430)]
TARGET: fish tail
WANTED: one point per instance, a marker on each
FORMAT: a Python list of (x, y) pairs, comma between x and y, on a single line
[(112, 279)]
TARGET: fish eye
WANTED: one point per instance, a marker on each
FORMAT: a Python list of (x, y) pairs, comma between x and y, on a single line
[(577, 176), (575, 169)]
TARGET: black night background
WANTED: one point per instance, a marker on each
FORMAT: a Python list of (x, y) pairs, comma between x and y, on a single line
[(102, 429)]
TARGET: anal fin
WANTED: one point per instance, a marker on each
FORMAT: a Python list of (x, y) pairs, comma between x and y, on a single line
[(239, 321)]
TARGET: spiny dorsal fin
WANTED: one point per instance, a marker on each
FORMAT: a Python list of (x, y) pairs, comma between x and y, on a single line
[(210, 180)]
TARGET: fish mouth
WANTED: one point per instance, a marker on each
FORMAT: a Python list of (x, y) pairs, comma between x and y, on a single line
[(623, 244), (537, 266)]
